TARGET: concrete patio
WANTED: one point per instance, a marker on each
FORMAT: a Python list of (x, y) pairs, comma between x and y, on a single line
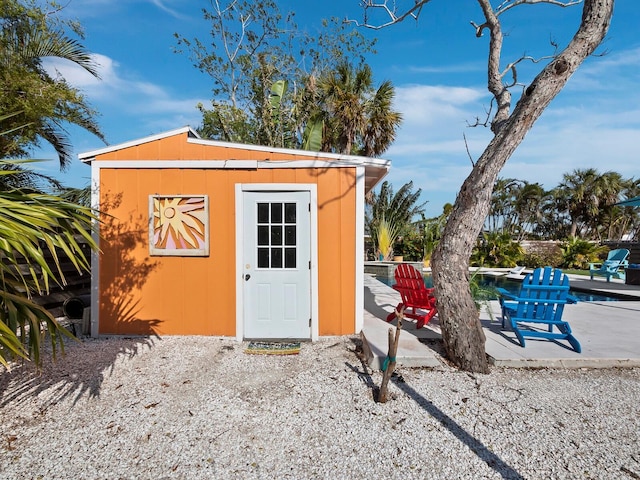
[(609, 332)]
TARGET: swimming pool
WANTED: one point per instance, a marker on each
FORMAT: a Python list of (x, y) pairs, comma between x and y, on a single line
[(491, 282)]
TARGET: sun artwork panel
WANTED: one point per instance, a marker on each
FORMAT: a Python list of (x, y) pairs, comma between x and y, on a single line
[(179, 225)]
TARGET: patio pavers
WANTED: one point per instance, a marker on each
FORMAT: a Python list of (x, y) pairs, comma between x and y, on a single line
[(609, 332)]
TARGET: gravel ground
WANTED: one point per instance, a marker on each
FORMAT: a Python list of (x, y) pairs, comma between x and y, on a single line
[(199, 407)]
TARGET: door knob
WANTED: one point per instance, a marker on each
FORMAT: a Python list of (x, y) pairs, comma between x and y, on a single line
[(247, 277)]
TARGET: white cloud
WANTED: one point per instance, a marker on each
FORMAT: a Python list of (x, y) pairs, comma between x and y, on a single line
[(117, 97), (82, 79), (164, 6)]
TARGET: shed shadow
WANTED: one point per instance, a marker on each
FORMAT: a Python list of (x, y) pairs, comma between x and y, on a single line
[(126, 273)]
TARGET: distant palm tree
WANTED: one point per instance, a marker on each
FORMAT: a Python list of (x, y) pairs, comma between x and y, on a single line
[(358, 118), (586, 192), (528, 207), (391, 211), (629, 219), (502, 204), (382, 122)]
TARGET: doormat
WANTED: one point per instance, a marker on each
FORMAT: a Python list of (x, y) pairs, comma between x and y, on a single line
[(273, 348)]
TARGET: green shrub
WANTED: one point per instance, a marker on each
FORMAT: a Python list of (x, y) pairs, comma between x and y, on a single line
[(542, 259), (496, 250), (578, 253)]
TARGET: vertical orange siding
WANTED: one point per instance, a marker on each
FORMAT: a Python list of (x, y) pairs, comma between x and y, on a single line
[(177, 148), (143, 294)]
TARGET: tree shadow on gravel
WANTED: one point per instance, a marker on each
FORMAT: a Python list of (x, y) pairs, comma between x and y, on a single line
[(475, 445), (81, 370)]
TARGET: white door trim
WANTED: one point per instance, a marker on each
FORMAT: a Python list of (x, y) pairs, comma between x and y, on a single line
[(359, 296), (239, 211)]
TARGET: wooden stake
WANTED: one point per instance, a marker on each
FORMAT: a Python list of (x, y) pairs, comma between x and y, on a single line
[(390, 362)]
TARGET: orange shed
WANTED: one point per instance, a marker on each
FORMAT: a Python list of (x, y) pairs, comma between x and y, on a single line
[(202, 237)]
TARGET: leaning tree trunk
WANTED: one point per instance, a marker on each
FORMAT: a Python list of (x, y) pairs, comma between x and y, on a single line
[(462, 333)]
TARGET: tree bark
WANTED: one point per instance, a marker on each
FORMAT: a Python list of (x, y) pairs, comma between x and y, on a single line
[(462, 332)]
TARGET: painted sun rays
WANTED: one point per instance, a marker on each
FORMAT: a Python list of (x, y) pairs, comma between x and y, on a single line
[(179, 225)]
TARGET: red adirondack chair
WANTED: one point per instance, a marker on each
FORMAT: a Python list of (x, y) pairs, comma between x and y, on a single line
[(418, 300)]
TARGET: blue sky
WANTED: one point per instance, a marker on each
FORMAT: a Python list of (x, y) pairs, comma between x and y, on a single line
[(437, 65)]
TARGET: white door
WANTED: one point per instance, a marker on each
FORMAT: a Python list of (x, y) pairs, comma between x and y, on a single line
[(277, 265)]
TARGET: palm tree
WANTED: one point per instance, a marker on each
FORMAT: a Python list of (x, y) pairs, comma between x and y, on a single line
[(528, 208), (382, 122), (26, 179), (608, 189), (358, 119), (630, 219), (586, 192), (577, 189), (555, 222), (392, 212), (432, 229), (45, 103), (34, 225), (502, 204)]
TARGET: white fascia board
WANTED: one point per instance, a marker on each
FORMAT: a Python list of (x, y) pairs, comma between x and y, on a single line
[(289, 151), (323, 163), (235, 164), (375, 169)]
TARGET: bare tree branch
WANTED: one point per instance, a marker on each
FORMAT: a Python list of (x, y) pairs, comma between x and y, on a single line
[(466, 146), (509, 4), (413, 12), (512, 67), (487, 120)]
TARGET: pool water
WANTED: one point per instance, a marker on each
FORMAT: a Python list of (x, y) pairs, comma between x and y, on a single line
[(491, 282)]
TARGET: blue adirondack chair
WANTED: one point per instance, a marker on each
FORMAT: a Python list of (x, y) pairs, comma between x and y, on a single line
[(538, 307), (613, 266)]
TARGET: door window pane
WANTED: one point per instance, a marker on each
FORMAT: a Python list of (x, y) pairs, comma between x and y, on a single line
[(263, 213), (263, 258), (290, 235), (276, 258), (276, 213), (289, 258), (276, 235), (263, 235), (289, 213)]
